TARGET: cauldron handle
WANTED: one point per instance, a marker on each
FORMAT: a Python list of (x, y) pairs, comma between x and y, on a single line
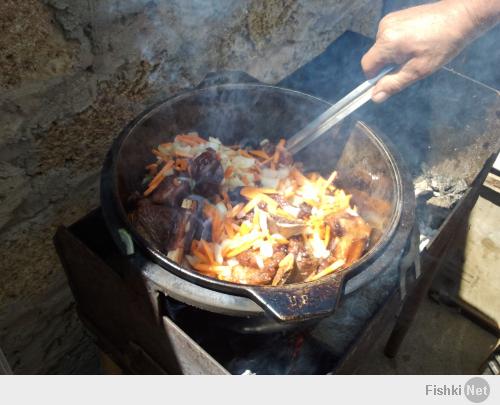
[(298, 302), (226, 77)]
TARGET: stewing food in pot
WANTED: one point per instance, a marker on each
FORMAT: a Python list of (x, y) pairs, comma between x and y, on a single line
[(243, 215)]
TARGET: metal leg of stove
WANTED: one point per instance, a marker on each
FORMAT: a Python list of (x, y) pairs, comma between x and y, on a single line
[(410, 306), (431, 261)]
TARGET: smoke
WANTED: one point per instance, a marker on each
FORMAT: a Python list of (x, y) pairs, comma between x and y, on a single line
[(186, 39)]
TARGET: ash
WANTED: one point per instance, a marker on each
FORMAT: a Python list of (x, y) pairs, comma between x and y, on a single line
[(436, 196)]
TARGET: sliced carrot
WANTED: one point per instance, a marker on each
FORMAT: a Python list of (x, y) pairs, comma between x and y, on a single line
[(235, 210), (251, 192), (244, 153), (159, 177), (208, 251), (266, 161), (328, 270), (245, 180), (183, 154), (259, 153), (187, 141), (313, 176), (279, 148), (216, 227), (229, 228), (298, 176), (190, 139), (210, 268), (229, 171), (162, 156), (330, 180), (194, 244), (250, 205), (181, 165), (207, 211), (243, 247), (200, 255), (227, 201), (198, 137)]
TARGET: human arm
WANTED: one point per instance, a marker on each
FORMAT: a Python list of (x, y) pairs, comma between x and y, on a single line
[(419, 40)]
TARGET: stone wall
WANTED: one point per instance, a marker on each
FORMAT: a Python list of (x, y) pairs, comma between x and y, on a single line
[(72, 74)]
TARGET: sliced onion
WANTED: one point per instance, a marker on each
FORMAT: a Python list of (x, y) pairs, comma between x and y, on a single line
[(266, 249), (259, 261)]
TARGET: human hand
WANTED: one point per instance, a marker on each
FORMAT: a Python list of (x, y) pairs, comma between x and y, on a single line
[(419, 40)]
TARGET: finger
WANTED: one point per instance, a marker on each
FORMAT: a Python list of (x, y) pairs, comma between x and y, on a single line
[(395, 82), (377, 57)]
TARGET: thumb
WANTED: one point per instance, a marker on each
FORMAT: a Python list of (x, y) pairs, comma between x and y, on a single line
[(394, 82), (375, 59)]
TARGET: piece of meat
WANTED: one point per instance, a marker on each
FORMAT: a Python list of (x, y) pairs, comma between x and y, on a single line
[(336, 228), (184, 231), (171, 192), (294, 245), (272, 262), (305, 262), (132, 200), (356, 236), (155, 223), (305, 211), (282, 202), (247, 259), (235, 196), (251, 275), (286, 157), (207, 172)]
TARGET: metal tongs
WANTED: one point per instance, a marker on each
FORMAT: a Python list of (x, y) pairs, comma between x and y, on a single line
[(336, 113)]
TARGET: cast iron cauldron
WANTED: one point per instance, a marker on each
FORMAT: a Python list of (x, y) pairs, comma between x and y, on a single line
[(234, 112)]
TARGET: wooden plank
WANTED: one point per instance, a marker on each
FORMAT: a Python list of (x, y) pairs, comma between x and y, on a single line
[(470, 277)]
